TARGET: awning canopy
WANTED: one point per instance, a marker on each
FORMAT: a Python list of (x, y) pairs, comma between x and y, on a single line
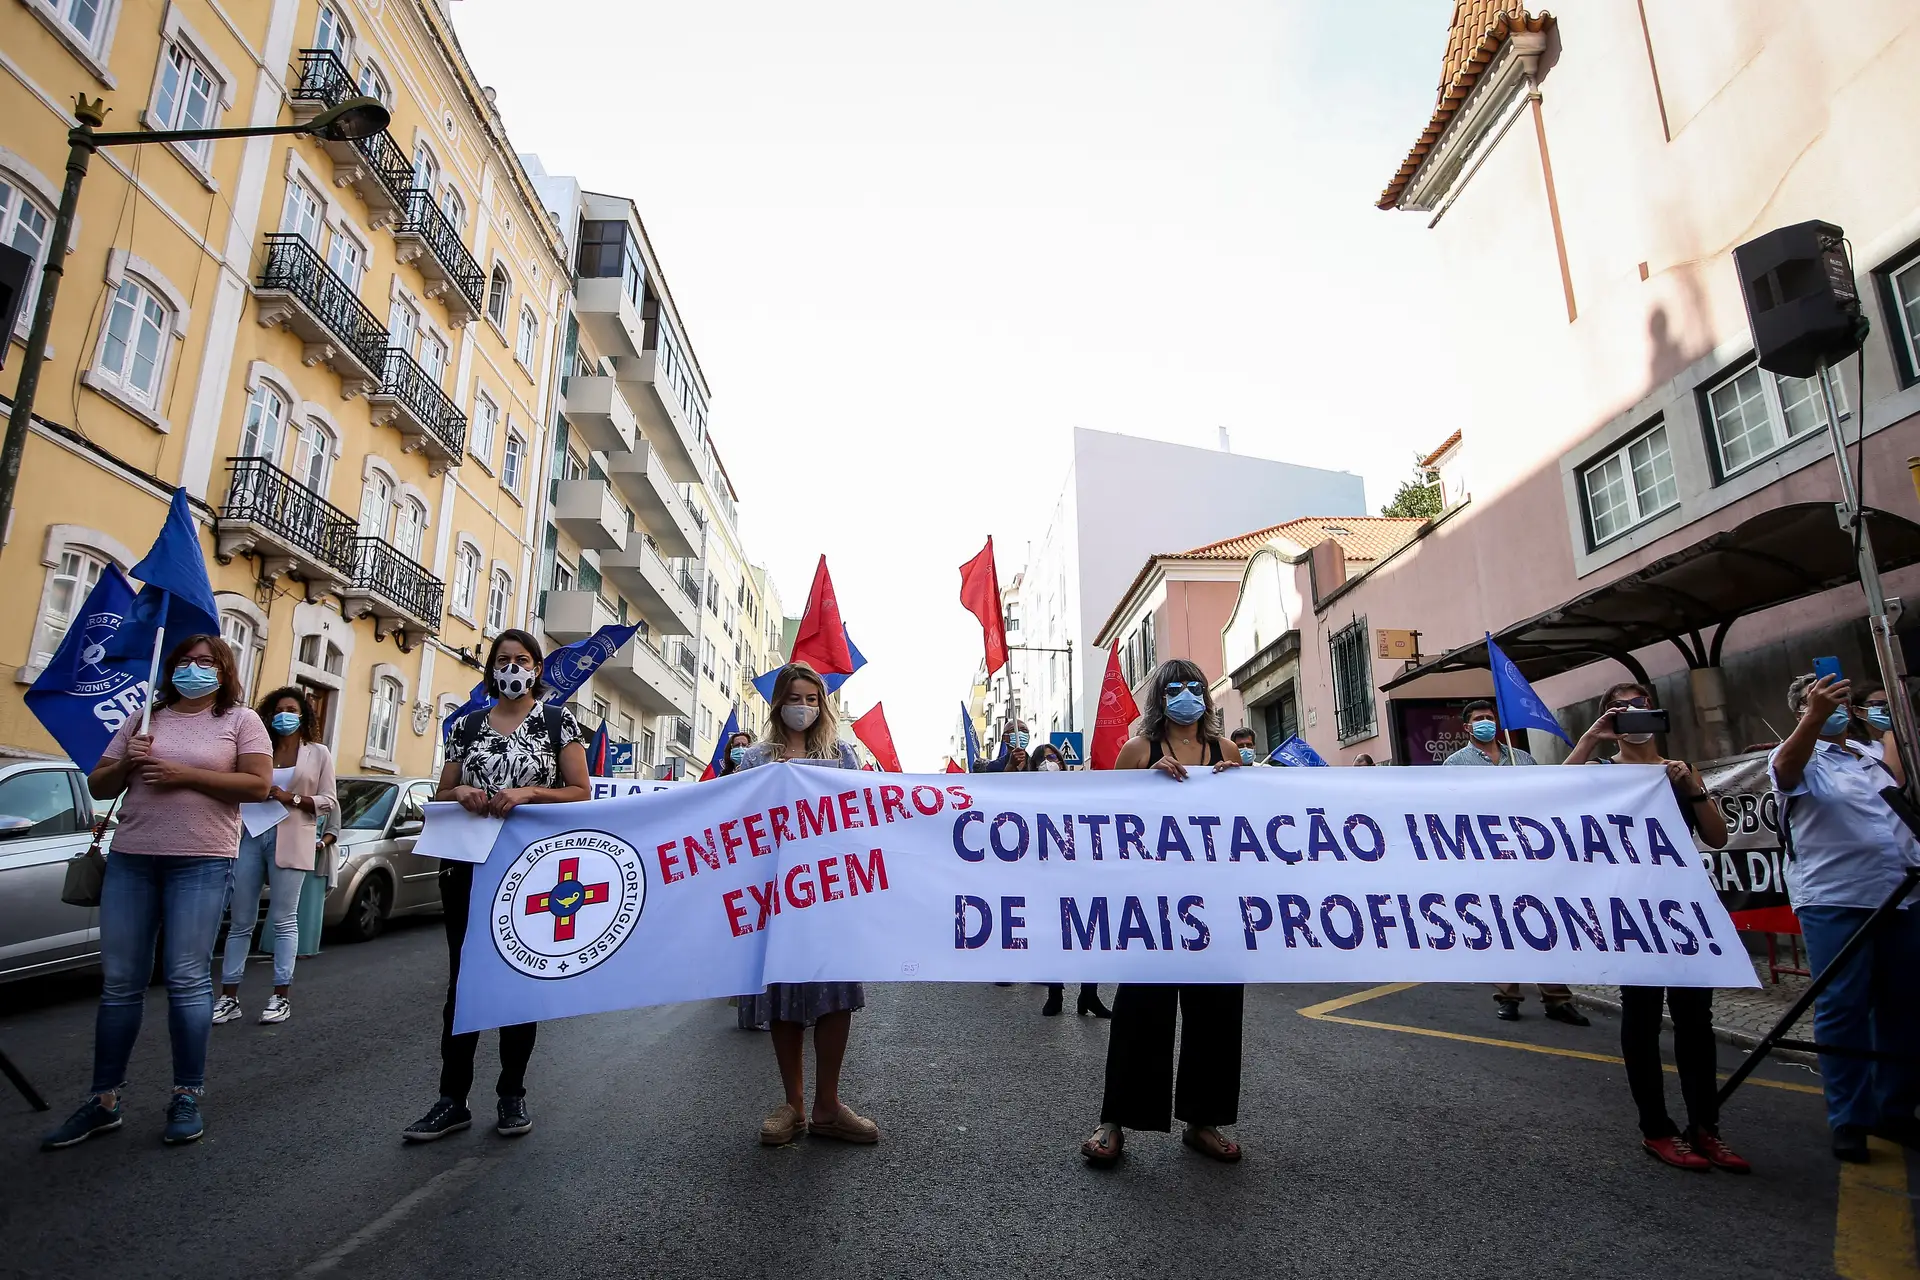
[(1778, 556)]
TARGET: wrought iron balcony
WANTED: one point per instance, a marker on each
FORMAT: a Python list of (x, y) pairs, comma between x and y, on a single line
[(684, 660), (288, 527), (374, 166), (411, 401), (401, 597), (683, 734), (690, 586), (424, 237), (300, 293)]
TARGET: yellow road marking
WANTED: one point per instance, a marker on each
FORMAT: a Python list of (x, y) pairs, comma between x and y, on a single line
[(1873, 1238), (1324, 1012)]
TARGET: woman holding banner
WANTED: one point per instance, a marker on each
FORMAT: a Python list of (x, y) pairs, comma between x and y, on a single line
[(185, 776), (805, 729), (1698, 1148), (521, 750), (1178, 731)]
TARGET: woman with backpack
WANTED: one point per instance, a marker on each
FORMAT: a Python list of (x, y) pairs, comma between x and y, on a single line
[(518, 751)]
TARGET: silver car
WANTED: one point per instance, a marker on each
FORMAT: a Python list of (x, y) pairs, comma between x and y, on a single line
[(46, 817), (379, 820)]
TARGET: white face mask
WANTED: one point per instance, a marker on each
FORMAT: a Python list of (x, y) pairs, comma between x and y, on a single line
[(1636, 738), (1049, 766), (798, 716), (512, 682)]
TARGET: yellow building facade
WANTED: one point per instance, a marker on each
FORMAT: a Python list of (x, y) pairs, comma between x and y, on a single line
[(344, 352)]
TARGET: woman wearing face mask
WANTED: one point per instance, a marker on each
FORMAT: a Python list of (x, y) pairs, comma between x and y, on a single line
[(1176, 734), (518, 751), (282, 856), (168, 873), (805, 729), (1873, 718), (1698, 1147), (736, 752), (1047, 759), (1849, 854)]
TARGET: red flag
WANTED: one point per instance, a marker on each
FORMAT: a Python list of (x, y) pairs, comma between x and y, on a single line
[(952, 767), (872, 731), (980, 594), (821, 642), (1115, 716)]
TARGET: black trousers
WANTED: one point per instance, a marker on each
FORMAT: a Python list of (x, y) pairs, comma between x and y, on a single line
[(456, 1052), (1693, 1056), (1140, 1079)]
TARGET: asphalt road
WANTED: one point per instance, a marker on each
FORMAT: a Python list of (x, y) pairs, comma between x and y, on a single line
[(1372, 1151)]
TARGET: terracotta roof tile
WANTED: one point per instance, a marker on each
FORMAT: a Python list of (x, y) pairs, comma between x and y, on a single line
[(1360, 537), (1479, 28), (1445, 445)]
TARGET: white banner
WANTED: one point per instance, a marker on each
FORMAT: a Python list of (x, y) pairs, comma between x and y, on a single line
[(796, 873)]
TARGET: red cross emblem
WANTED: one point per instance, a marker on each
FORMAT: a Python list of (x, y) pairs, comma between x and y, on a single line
[(565, 899)]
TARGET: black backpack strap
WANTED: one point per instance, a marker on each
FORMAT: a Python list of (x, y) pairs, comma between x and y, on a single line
[(554, 717), (466, 732)]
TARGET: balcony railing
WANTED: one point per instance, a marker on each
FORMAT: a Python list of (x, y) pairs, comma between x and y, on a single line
[(381, 569), (683, 659), (683, 733), (389, 162), (323, 79), (691, 586), (415, 388), (261, 495), (422, 217), (294, 267), (324, 82)]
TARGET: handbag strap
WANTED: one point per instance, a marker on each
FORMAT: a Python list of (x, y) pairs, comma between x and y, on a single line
[(101, 823)]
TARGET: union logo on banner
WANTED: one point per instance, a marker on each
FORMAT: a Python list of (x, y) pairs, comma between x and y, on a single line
[(568, 903)]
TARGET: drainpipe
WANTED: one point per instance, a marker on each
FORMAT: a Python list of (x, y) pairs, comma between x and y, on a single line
[(1709, 689)]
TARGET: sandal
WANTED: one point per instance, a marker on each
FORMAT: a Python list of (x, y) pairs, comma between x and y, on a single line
[(847, 1127), (1210, 1142), (1104, 1148), (782, 1126)]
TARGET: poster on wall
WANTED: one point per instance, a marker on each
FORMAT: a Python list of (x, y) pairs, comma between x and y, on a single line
[(1428, 730), (1749, 871)]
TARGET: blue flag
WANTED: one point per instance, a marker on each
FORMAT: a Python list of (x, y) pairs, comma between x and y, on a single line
[(720, 748), (764, 683), (973, 743), (175, 568), (597, 752), (564, 671), (1519, 707), (97, 678), (1296, 754)]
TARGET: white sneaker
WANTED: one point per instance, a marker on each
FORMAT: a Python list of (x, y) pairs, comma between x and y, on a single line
[(278, 1009), (225, 1009)]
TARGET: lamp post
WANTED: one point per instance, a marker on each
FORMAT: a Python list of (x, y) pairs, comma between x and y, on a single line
[(355, 118)]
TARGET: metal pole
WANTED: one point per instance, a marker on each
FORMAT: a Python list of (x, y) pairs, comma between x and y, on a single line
[(80, 148), (1879, 619)]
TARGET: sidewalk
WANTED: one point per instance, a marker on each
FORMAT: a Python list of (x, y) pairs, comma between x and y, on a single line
[(1741, 1015)]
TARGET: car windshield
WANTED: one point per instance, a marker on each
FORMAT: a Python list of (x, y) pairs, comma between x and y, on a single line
[(365, 803)]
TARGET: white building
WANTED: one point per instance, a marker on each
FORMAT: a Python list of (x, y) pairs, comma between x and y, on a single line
[(1125, 500)]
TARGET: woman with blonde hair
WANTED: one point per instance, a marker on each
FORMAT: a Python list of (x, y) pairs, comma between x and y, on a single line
[(804, 728)]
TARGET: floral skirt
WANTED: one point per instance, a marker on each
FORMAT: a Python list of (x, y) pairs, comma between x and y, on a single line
[(800, 1002)]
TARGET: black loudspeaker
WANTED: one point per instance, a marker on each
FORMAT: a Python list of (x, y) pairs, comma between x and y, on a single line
[(15, 270), (1801, 299)]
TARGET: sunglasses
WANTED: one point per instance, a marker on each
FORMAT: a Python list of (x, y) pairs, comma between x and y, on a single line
[(1193, 686), (1637, 703)]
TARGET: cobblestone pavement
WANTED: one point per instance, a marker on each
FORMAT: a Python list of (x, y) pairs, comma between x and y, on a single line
[(1741, 1015)]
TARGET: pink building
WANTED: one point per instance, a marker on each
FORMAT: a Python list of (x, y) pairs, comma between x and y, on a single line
[(1630, 496)]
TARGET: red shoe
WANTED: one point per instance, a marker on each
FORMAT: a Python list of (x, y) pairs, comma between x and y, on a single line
[(1678, 1152), (1720, 1154)]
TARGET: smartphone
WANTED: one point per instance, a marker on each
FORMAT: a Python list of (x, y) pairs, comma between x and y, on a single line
[(1638, 720), (1824, 667)]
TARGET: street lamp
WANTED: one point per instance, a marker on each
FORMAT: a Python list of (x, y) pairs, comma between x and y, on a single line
[(351, 120)]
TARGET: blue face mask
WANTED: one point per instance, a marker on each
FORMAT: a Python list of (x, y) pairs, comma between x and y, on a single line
[(737, 754), (195, 682), (286, 722), (1185, 707), (1878, 718), (1836, 724), (1484, 730), (1018, 738), (1246, 755)]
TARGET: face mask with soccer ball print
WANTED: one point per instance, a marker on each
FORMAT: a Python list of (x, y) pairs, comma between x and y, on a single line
[(512, 682)]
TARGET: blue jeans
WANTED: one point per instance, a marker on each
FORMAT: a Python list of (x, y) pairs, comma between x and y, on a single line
[(142, 895), (254, 865), (1869, 1005)]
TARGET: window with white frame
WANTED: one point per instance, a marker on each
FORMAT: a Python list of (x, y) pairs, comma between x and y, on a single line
[(376, 500), (499, 600), (426, 170), (513, 462), (69, 584), (402, 323), (329, 32), (563, 575), (486, 418), (23, 226), (383, 718), (466, 578), (433, 356), (410, 527), (373, 84), (347, 258), (1904, 284), (300, 213), (186, 96), (1632, 484), (499, 289), (85, 21), (238, 631), (313, 450), (133, 342), (266, 419), (454, 208), (529, 337), (1756, 414)]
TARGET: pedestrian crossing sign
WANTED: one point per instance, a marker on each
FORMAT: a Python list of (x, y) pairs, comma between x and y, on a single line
[(1069, 747)]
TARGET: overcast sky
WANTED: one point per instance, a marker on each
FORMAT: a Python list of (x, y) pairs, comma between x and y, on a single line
[(916, 243)]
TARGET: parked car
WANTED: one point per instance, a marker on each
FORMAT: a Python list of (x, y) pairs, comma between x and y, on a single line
[(46, 817), (380, 818)]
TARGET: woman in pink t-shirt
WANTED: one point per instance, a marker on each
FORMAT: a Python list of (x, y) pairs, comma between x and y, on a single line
[(168, 872)]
